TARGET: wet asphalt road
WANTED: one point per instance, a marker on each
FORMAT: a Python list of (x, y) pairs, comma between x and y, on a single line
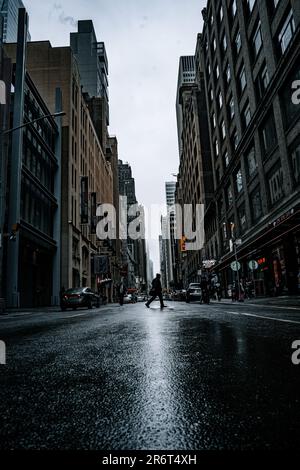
[(191, 377)]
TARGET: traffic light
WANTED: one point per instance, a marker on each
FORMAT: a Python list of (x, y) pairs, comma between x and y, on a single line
[(15, 228), (182, 244)]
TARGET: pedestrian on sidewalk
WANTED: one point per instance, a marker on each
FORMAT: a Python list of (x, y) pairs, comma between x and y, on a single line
[(156, 291), (121, 292), (61, 296)]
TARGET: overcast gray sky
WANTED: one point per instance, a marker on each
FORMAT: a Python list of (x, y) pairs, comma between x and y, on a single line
[(144, 40)]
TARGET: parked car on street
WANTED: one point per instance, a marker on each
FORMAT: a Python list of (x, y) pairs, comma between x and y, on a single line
[(129, 299), (79, 297), (179, 295), (194, 292)]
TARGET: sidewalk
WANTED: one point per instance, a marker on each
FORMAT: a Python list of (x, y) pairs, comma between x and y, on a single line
[(29, 311), (26, 311), (281, 301)]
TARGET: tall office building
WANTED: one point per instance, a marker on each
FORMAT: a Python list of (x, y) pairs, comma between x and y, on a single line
[(33, 202), (250, 54), (127, 188), (186, 75), (9, 10), (170, 192), (92, 62), (173, 243), (195, 173), (87, 178), (166, 253)]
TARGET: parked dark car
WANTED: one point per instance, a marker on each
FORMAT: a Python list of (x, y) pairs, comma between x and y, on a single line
[(194, 292), (179, 295), (80, 297)]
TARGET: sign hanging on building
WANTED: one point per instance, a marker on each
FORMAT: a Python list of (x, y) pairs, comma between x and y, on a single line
[(84, 195), (101, 265), (235, 266), (253, 265), (93, 213)]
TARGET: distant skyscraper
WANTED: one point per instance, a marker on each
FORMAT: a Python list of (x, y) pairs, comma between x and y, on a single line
[(9, 11), (186, 76), (92, 61), (170, 192), (166, 253), (127, 183), (170, 199)]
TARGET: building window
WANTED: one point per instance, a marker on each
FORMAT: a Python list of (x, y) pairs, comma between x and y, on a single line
[(228, 74), (238, 43), (229, 196), (220, 99), (223, 130), (296, 163), (233, 8), (269, 136), (257, 41), (246, 116), (214, 120), (242, 80), (256, 206), (242, 218), (287, 32), (250, 4), (211, 95), (235, 140), (224, 43), (262, 81), (276, 189), (217, 148), (226, 159), (251, 163), (221, 14), (214, 44), (231, 108), (217, 72), (239, 181)]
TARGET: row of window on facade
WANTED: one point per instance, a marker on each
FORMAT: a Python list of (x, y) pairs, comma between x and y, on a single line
[(274, 184), (268, 133), (37, 209), (32, 112), (289, 108), (262, 81), (283, 36), (38, 161)]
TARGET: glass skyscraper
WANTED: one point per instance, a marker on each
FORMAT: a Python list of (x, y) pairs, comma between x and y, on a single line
[(9, 11)]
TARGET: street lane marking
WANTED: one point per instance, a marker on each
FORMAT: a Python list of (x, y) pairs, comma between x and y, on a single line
[(74, 316), (265, 318), (273, 306)]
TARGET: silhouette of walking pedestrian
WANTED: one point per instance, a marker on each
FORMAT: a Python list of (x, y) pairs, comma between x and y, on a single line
[(156, 291)]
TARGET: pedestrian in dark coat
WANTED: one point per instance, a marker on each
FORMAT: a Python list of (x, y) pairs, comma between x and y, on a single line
[(61, 296), (122, 292), (156, 291)]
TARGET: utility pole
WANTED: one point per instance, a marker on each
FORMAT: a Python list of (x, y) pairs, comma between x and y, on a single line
[(13, 295), (232, 226)]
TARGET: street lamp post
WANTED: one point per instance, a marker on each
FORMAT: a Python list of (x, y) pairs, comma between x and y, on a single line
[(232, 225), (28, 123)]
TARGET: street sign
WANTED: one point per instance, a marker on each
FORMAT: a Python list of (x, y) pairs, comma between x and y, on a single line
[(253, 265), (235, 266), (209, 263)]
